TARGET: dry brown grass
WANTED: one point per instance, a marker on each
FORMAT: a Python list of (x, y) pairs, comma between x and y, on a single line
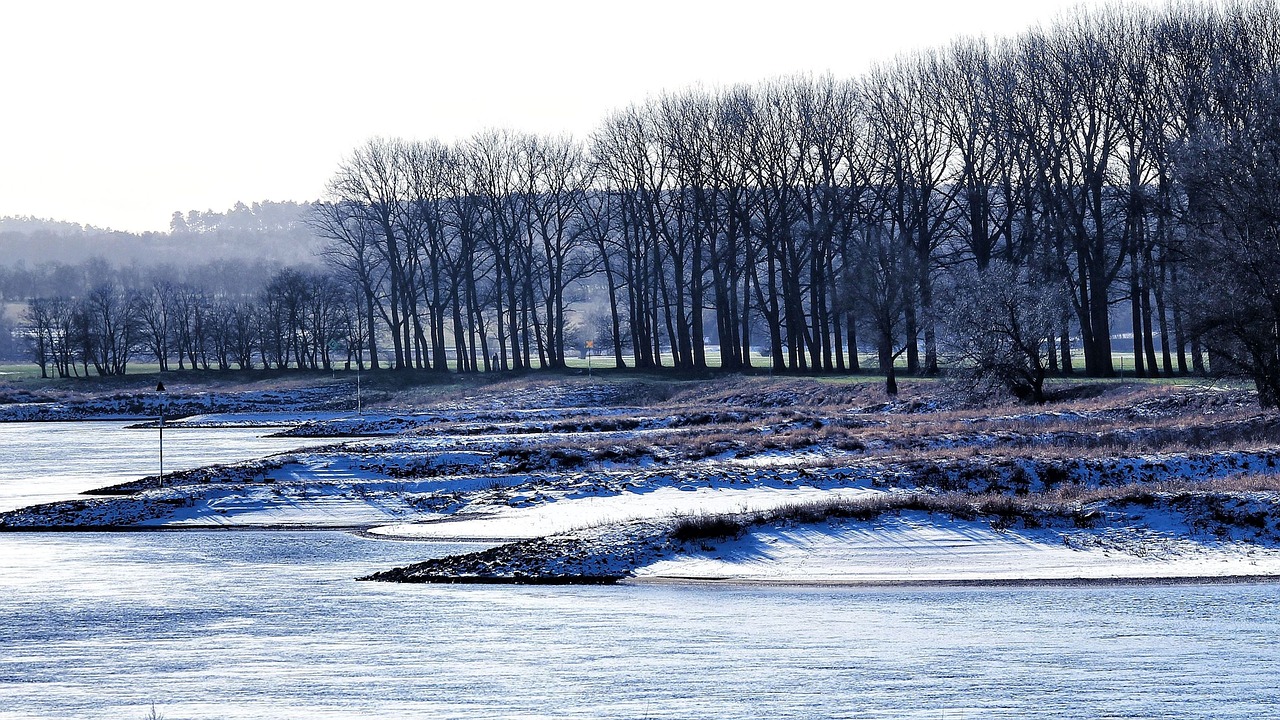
[(805, 393), (1108, 422), (940, 436), (1230, 485)]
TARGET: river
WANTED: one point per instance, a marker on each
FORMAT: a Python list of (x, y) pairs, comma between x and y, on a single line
[(259, 624), (45, 462)]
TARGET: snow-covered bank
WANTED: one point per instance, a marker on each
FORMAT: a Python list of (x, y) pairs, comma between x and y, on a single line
[(594, 480), (287, 490), (917, 549), (144, 402), (1176, 538), (565, 515)]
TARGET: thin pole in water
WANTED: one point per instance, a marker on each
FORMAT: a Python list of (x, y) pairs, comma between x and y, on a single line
[(160, 389)]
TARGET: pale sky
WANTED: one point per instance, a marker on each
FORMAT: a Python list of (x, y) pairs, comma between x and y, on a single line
[(117, 113)]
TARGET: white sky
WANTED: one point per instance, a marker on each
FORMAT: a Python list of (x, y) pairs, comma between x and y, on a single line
[(118, 113)]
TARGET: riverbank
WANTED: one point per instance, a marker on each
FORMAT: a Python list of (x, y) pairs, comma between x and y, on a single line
[(1171, 535), (576, 478)]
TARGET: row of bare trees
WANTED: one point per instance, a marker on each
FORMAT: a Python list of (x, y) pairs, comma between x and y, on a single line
[(812, 216), (469, 250), (297, 319), (992, 203)]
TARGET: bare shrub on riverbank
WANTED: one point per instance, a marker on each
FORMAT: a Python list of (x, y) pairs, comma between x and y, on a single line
[(706, 526), (1005, 509)]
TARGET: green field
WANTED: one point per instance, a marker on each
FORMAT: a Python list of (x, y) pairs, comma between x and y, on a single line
[(20, 372)]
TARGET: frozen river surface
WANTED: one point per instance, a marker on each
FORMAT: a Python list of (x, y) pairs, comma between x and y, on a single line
[(45, 462), (256, 624)]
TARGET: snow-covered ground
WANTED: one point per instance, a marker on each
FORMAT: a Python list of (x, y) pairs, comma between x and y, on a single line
[(916, 548), (605, 483), (311, 494), (564, 515), (144, 402)]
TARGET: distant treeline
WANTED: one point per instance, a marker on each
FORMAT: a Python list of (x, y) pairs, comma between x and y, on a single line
[(269, 232), (988, 203), (296, 319), (225, 277)]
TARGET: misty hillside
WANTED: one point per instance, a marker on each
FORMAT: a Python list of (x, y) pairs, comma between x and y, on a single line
[(272, 233)]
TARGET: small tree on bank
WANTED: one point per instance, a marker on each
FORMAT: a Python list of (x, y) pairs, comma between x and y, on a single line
[(997, 327)]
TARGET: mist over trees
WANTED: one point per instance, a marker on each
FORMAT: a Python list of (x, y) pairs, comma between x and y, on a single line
[(163, 297), (992, 205), (273, 233)]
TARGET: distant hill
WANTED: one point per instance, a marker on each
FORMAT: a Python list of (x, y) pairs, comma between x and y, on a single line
[(272, 233)]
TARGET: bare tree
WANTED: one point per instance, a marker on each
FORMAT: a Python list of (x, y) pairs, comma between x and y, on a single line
[(113, 331), (351, 250), (154, 309), (41, 320), (1232, 172), (998, 329)]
